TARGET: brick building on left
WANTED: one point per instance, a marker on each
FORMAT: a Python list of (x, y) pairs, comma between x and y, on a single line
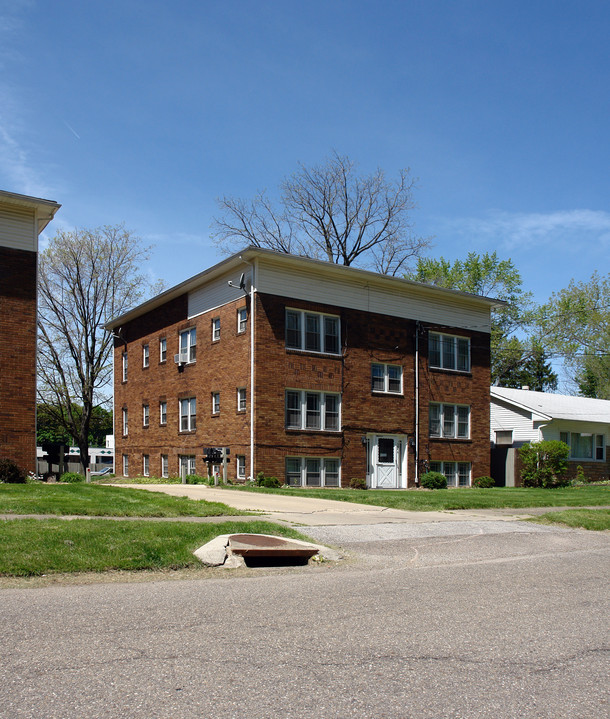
[(22, 219)]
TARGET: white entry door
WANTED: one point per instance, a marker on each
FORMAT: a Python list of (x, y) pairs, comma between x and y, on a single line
[(387, 461)]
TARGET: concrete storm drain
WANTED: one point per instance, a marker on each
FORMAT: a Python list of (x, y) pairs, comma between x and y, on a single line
[(260, 550)]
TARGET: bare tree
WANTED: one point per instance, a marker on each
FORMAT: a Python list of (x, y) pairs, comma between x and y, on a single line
[(85, 278), (329, 212)]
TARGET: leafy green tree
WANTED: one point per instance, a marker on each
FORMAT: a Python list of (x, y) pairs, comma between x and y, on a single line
[(50, 425), (544, 464), (528, 366)]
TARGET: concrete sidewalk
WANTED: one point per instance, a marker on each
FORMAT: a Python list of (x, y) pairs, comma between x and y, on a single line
[(323, 512)]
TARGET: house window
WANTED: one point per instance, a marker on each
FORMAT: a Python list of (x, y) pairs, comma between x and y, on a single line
[(162, 412), (449, 352), (164, 465), (215, 402), (386, 378), (449, 421), (124, 358), (312, 472), (242, 319), (312, 410), (125, 465), (188, 345), (312, 332), (240, 459), (145, 356), (241, 399), (188, 414), (584, 445), (457, 473), (216, 329), (125, 422), (504, 437), (162, 349), (145, 415), (187, 464), (145, 465)]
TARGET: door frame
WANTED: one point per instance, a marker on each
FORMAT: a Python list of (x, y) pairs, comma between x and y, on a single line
[(400, 451)]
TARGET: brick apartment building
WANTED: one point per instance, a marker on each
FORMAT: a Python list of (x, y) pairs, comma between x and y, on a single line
[(309, 371), (22, 219)]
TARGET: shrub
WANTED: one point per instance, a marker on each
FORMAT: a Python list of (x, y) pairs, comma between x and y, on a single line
[(433, 480), (71, 477), (10, 472), (357, 483), (544, 464), (484, 482), (197, 479), (271, 482)]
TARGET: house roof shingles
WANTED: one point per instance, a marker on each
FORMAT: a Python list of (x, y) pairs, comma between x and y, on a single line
[(556, 406)]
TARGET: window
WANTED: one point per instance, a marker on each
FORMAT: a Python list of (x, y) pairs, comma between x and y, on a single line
[(145, 356), (164, 465), (125, 465), (584, 445), (216, 329), (188, 345), (312, 332), (145, 415), (504, 437), (124, 358), (215, 402), (312, 410), (125, 422), (312, 472), (242, 319), (145, 465), (386, 378), (450, 421), (187, 464), (241, 399), (449, 352), (240, 459), (162, 349), (188, 414), (162, 412), (457, 473)]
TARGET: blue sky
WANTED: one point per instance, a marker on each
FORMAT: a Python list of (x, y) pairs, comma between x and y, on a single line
[(146, 112)]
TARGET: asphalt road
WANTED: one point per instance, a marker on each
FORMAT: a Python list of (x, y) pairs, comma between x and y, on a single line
[(453, 624)]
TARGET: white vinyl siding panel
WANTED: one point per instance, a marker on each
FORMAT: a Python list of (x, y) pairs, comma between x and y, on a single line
[(18, 228), (504, 417), (217, 293), (405, 302)]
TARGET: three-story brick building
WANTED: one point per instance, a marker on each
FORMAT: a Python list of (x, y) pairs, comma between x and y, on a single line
[(309, 371)]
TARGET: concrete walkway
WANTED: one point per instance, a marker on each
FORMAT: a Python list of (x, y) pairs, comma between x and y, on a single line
[(307, 511)]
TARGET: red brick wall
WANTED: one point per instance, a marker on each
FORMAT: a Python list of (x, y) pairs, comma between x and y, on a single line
[(18, 357)]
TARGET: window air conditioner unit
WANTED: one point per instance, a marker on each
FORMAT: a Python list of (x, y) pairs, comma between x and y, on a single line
[(181, 358)]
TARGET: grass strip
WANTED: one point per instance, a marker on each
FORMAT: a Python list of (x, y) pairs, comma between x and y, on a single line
[(33, 547), (99, 500), (466, 498), (594, 519)]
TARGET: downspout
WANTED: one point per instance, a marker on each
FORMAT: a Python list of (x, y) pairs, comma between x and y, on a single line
[(251, 367), (417, 326)]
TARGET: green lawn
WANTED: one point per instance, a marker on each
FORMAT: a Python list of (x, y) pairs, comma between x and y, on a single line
[(33, 547), (595, 519), (99, 500), (421, 500)]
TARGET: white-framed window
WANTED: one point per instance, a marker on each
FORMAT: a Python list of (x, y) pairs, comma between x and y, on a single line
[(125, 465), (313, 332), (449, 352), (188, 345), (215, 329), (163, 349), (215, 402), (457, 473), (125, 422), (242, 319), (504, 437), (145, 465), (241, 399), (584, 445), (188, 414), (313, 410), (162, 412), (240, 461), (313, 472), (386, 378), (164, 465), (187, 462), (145, 415), (124, 366), (145, 355), (449, 421)]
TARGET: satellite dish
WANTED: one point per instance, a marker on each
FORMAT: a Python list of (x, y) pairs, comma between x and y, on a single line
[(242, 281)]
